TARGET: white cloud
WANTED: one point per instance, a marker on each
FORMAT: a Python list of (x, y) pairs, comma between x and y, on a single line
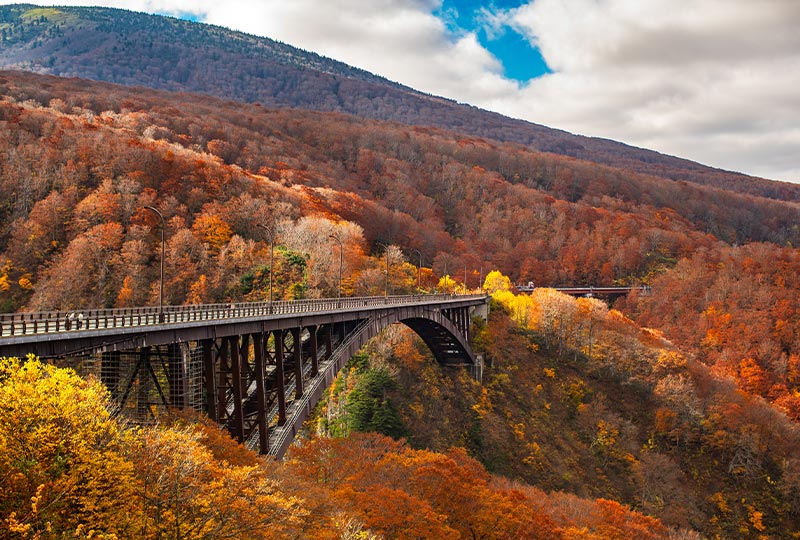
[(711, 80), (399, 39)]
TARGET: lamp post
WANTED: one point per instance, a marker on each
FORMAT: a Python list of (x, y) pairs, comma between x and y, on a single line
[(386, 288), (161, 281), (271, 258), (341, 259), (419, 269)]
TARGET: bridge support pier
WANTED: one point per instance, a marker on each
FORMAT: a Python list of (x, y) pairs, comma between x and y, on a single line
[(210, 381), (261, 392)]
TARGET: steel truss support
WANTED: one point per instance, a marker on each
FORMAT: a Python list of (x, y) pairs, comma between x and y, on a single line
[(262, 382)]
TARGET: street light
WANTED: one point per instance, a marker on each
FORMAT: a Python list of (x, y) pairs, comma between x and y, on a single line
[(419, 269), (386, 288), (271, 258), (341, 258), (161, 281)]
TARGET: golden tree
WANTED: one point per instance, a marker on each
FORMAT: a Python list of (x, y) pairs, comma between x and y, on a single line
[(62, 463)]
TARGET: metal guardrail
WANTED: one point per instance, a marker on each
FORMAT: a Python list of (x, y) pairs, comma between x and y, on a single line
[(51, 322)]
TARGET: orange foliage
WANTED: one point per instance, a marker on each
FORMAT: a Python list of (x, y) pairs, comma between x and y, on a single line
[(212, 230), (451, 493)]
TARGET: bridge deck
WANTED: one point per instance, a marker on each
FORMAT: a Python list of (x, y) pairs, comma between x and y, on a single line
[(44, 329), (588, 290)]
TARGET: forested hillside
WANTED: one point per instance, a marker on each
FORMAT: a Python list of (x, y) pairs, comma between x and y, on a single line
[(83, 159), (674, 421), (599, 429), (578, 398), (160, 52), (87, 476)]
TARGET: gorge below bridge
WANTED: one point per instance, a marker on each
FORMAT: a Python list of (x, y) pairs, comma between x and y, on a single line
[(258, 369)]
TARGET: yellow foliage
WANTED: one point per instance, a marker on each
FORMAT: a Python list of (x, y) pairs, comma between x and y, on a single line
[(713, 338), (719, 501), (189, 494), (199, 291), (64, 451), (670, 360), (534, 454), (446, 284), (484, 404), (606, 436), (519, 306), (756, 519), (495, 281), (25, 282), (125, 296)]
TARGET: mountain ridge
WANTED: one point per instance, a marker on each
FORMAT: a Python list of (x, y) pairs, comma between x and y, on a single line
[(130, 48)]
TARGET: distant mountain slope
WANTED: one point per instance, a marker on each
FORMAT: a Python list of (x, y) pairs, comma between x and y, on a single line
[(165, 53), (78, 158)]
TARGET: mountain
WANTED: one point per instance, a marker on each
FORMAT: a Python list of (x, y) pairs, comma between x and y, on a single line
[(692, 420), (161, 52)]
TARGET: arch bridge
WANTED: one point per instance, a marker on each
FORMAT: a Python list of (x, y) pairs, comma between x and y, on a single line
[(258, 369)]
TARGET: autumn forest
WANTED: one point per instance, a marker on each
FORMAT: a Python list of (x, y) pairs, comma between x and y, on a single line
[(669, 415)]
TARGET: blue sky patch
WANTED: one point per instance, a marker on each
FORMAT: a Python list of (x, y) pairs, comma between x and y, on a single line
[(521, 60), (185, 15)]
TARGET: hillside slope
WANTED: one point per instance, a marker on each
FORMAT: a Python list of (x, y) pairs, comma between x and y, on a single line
[(160, 52), (81, 159), (70, 466), (587, 403)]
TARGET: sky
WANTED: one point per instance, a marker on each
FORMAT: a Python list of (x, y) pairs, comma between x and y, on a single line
[(715, 81)]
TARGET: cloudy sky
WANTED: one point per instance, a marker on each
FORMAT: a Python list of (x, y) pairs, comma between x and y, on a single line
[(716, 81)]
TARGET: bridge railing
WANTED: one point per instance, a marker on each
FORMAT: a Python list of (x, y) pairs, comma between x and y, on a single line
[(47, 322)]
